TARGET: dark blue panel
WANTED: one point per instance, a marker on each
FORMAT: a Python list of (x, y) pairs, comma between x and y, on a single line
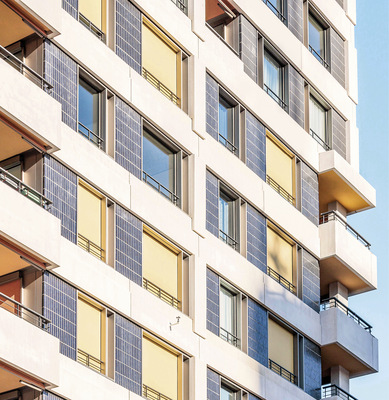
[(212, 107), (296, 96), (50, 396), (252, 397), (71, 6), (213, 302), (312, 369), (213, 385), (61, 72), (128, 355), (129, 34), (128, 245), (212, 204), (128, 138), (257, 332), (59, 306), (248, 45), (60, 187), (256, 238), (309, 193), (311, 281), (295, 18), (255, 146)]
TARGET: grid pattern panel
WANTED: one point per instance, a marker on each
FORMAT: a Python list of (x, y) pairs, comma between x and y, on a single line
[(257, 332), (295, 18), (60, 187), (296, 96), (128, 355), (50, 396), (129, 34), (128, 138), (212, 204), (312, 369), (248, 47), (311, 281), (213, 302), (60, 307), (339, 139), (252, 397), (128, 245), (212, 107), (61, 72), (338, 68), (213, 385), (71, 6), (255, 146), (309, 193), (256, 238)]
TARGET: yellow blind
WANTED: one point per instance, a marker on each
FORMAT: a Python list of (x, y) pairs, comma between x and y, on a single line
[(89, 215), (279, 166), (89, 328), (160, 369), (91, 9), (160, 265), (159, 58), (279, 255), (281, 346)]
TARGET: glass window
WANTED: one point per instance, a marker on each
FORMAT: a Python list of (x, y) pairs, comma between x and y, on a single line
[(228, 317), (226, 393), (226, 124), (277, 7), (273, 78), (317, 119), (316, 39), (226, 217)]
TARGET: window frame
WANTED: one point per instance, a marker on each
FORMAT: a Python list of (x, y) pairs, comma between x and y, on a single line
[(327, 142), (232, 145), (87, 23), (281, 13), (324, 60)]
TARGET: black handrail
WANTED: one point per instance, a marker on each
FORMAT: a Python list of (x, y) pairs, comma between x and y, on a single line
[(275, 10), (91, 26), (24, 189), (153, 394), (280, 190), (228, 239), (25, 69), (333, 216), (318, 139), (90, 247), (181, 4), (162, 294), (90, 361), (333, 302), (334, 390), (282, 372), (319, 57), (24, 312), (160, 188), (275, 97), (281, 280), (90, 135), (229, 145), (229, 337)]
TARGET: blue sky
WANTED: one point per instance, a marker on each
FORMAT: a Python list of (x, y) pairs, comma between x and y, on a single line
[(372, 42)]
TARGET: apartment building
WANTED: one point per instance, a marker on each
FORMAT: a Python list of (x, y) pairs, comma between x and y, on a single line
[(176, 182)]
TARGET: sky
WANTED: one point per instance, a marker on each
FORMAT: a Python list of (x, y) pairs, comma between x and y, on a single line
[(372, 43)]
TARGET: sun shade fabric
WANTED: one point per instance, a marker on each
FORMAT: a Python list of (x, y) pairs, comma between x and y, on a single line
[(279, 255), (281, 349), (91, 9)]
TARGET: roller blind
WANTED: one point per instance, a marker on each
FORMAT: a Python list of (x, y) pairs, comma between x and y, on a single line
[(281, 348), (279, 255), (91, 9)]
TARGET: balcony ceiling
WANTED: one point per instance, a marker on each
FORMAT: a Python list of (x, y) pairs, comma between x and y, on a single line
[(12, 143), (8, 381), (10, 261)]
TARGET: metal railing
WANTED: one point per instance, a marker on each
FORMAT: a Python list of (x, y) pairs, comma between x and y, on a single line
[(282, 372), (25, 70), (333, 216), (90, 135), (161, 87), (182, 5), (275, 10), (318, 139), (319, 57), (90, 361), (24, 312), (91, 26), (229, 337), (280, 190), (333, 302), (152, 394), (334, 390), (90, 247), (281, 280), (160, 188), (275, 97), (226, 143), (24, 189), (162, 294), (228, 239)]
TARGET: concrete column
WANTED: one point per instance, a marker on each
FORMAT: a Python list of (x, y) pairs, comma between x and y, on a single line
[(337, 290), (336, 206), (340, 377)]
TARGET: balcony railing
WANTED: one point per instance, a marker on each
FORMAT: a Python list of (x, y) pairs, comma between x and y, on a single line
[(24, 312), (318, 139), (229, 337), (281, 280), (90, 247), (333, 302), (319, 57), (282, 372), (182, 5), (334, 390), (92, 27), (160, 188), (161, 87), (280, 190), (90, 361), (90, 135), (275, 10), (24, 189), (226, 143), (228, 239), (275, 97), (152, 394), (333, 216), (25, 70), (162, 294)]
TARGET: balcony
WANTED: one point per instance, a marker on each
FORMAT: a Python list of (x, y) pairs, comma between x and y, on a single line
[(345, 256), (151, 394), (162, 294), (334, 391), (280, 190), (281, 280), (284, 373)]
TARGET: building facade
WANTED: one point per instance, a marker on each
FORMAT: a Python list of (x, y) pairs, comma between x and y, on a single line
[(176, 180)]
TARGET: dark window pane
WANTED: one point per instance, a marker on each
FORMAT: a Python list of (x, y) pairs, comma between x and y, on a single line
[(88, 108)]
